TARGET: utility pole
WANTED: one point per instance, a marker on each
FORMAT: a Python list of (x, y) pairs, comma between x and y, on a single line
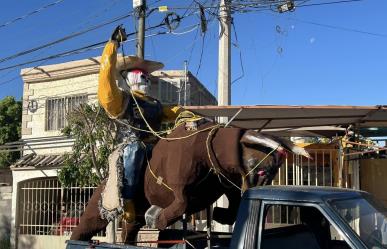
[(224, 60), (224, 78), (140, 7), (224, 64), (185, 81)]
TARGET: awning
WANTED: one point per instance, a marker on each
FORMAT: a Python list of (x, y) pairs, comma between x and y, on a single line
[(34, 161), (275, 117)]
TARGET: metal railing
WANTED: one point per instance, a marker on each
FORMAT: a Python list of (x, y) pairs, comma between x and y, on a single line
[(46, 208)]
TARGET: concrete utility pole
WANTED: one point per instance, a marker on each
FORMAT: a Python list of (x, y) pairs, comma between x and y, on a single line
[(224, 64), (224, 78), (140, 7)]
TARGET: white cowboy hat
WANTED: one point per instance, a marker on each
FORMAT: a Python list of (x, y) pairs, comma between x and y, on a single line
[(132, 62)]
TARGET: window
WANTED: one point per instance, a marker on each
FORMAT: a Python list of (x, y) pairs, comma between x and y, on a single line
[(291, 226), (367, 217), (58, 108), (168, 92)]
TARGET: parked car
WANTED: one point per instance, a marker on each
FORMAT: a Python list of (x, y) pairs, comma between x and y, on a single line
[(67, 222)]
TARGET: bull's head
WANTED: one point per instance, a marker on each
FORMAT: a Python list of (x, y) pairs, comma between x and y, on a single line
[(263, 155)]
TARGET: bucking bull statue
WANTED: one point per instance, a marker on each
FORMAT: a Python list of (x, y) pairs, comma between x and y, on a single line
[(190, 170)]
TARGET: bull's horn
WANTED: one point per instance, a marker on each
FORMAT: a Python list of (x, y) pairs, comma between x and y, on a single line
[(252, 137), (294, 148)]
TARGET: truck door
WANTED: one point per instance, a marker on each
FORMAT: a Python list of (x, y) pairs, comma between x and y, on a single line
[(294, 226)]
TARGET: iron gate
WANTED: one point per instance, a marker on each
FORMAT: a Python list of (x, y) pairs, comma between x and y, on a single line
[(47, 208)]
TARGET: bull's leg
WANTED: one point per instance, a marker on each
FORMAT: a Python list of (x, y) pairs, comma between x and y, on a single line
[(90, 222), (129, 231), (173, 211), (228, 215)]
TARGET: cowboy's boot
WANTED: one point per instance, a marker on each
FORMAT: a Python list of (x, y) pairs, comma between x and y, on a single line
[(129, 214)]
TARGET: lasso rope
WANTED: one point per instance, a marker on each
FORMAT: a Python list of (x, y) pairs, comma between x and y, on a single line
[(259, 163), (215, 169), (157, 134)]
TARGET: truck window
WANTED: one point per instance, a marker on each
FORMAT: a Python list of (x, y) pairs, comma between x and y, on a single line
[(367, 217), (291, 226)]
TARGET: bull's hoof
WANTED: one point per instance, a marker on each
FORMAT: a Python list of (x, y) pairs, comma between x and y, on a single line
[(151, 216), (223, 216)]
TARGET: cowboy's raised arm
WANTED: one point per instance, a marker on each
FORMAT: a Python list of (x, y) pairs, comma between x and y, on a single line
[(109, 95)]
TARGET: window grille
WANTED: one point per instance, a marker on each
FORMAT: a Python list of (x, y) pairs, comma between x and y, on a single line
[(46, 208), (168, 92), (58, 108)]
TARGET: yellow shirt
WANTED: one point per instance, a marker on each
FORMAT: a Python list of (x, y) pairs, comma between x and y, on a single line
[(111, 97)]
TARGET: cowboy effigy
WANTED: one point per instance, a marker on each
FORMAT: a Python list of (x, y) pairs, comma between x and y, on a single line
[(123, 89), (184, 172)]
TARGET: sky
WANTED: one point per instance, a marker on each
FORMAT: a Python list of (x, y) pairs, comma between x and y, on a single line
[(331, 54)]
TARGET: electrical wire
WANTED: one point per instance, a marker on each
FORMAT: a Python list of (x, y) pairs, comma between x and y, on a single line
[(30, 13), (201, 54), (67, 53), (89, 47), (73, 35), (339, 28), (236, 44), (63, 54), (328, 3)]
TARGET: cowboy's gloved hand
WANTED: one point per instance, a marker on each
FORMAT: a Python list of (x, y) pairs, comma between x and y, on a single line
[(118, 34)]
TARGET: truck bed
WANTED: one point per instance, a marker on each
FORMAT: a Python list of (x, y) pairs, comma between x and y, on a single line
[(171, 238)]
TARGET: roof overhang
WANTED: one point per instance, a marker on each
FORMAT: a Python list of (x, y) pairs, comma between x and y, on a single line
[(263, 117)]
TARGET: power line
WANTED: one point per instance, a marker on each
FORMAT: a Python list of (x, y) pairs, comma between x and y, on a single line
[(236, 44), (67, 53), (92, 46), (73, 35), (328, 3), (339, 28), (30, 14)]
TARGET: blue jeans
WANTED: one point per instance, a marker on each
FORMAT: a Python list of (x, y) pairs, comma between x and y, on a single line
[(133, 157)]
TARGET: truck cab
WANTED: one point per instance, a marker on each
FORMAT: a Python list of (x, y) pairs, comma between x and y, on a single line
[(309, 217)]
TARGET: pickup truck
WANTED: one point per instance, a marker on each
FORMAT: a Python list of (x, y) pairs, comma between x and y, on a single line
[(293, 217)]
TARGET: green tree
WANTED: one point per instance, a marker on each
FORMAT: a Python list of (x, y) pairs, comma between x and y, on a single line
[(95, 137), (10, 128)]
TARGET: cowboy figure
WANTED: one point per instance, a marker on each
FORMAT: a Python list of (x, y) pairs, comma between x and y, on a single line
[(127, 101)]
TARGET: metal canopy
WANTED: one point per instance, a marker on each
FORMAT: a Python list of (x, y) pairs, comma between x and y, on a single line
[(273, 117)]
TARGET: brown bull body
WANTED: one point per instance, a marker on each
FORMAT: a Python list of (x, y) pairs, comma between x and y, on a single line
[(188, 174)]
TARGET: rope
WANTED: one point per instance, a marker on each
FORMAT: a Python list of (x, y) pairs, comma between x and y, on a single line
[(217, 171), (183, 117), (158, 179), (260, 162), (157, 133)]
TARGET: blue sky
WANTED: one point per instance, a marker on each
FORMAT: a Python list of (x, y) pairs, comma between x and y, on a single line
[(286, 59)]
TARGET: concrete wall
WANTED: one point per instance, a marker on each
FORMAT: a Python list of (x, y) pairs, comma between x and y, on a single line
[(5, 214), (373, 174)]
